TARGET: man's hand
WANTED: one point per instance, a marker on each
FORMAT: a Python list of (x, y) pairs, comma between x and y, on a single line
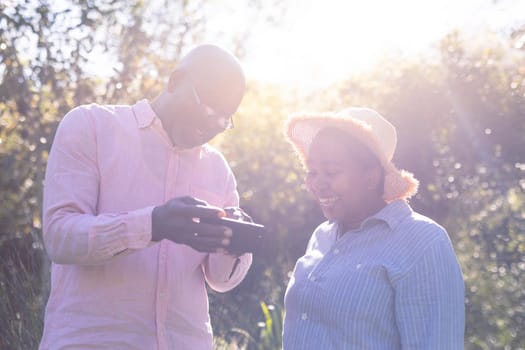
[(178, 221)]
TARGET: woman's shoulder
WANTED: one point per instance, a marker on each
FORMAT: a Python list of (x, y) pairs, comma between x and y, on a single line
[(422, 227), (414, 233)]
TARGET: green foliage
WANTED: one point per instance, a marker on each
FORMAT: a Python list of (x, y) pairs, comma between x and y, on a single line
[(270, 183), (271, 334), (461, 131)]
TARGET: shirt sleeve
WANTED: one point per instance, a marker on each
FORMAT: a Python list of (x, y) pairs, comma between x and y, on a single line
[(430, 309), (223, 271), (74, 233)]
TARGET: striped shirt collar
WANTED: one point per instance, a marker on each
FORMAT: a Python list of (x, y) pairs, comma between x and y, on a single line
[(392, 214)]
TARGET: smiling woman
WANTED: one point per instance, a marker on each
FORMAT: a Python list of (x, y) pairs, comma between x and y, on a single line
[(375, 274), (347, 181)]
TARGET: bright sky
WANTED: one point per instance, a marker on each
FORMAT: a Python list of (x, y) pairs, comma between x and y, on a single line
[(321, 41)]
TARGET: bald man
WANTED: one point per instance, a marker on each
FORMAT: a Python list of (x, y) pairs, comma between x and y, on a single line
[(125, 189)]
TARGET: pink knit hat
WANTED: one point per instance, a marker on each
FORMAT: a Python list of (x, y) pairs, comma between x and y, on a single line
[(368, 127)]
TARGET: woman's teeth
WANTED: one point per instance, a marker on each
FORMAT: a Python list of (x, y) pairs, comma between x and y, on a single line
[(325, 202)]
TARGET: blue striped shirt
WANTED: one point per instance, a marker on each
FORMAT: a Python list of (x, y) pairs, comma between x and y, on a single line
[(394, 283)]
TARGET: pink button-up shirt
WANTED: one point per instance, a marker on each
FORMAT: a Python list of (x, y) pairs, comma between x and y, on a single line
[(111, 287)]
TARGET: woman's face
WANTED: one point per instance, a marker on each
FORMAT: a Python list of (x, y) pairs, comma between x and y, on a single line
[(345, 188)]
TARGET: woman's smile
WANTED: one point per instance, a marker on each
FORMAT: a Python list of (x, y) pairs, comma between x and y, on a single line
[(328, 202)]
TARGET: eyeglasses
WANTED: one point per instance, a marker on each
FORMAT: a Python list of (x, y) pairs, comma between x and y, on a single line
[(223, 122)]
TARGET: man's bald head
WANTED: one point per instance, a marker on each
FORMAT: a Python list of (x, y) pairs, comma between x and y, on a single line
[(217, 75), (203, 93)]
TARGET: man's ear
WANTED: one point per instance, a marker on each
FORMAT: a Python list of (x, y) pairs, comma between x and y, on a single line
[(176, 78)]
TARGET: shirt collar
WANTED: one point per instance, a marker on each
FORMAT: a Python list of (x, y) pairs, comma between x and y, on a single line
[(392, 214), (144, 114)]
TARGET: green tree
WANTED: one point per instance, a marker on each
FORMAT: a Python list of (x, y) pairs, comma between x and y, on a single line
[(461, 131), (49, 64)]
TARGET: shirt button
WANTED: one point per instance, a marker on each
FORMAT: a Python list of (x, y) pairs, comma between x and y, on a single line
[(312, 278), (304, 316), (336, 251)]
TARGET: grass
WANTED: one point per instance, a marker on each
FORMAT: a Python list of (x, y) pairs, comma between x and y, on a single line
[(24, 289)]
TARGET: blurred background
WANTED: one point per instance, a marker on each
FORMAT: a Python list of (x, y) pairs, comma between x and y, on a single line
[(449, 74)]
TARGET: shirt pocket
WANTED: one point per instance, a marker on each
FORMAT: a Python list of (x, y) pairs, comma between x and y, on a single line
[(207, 195)]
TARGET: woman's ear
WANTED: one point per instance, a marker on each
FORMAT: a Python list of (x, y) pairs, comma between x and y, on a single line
[(375, 178)]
